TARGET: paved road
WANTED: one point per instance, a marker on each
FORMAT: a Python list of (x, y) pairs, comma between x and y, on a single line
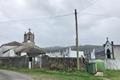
[(9, 75)]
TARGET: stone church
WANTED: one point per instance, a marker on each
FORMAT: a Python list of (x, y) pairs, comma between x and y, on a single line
[(26, 48)]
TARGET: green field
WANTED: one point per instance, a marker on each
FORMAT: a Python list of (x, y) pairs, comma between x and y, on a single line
[(41, 74)]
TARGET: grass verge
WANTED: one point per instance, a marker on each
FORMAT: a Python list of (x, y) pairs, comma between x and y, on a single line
[(112, 74), (42, 74)]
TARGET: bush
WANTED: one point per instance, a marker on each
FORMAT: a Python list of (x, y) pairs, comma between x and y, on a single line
[(57, 66)]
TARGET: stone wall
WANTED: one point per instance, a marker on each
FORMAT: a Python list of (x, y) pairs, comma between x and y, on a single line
[(13, 61), (61, 63), (43, 62)]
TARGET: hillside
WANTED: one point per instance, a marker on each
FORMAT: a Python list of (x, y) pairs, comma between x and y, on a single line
[(85, 48)]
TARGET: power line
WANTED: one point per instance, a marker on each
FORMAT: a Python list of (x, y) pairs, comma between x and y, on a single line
[(95, 1), (62, 15), (102, 15), (45, 18), (97, 15), (37, 18)]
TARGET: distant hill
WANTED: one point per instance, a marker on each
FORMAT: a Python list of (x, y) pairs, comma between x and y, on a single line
[(54, 49), (86, 48)]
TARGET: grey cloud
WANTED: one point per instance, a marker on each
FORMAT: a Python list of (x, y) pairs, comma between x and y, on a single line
[(59, 31)]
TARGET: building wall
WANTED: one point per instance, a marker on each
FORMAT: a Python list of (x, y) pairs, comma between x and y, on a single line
[(10, 53), (7, 53), (55, 54), (117, 52), (66, 53), (112, 64), (74, 54)]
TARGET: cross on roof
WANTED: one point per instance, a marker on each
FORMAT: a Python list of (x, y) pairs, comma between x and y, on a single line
[(29, 30)]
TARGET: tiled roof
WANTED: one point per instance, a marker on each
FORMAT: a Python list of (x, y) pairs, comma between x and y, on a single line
[(30, 48), (14, 43)]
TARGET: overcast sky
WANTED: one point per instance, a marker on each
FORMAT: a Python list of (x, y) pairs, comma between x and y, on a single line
[(97, 19)]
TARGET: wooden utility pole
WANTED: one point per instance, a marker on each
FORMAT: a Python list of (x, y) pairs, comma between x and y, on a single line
[(77, 47)]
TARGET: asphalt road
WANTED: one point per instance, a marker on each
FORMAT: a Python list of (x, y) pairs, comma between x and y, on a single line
[(9, 75)]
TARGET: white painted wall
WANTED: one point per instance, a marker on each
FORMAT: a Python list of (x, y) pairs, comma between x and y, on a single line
[(38, 59), (117, 52), (54, 54), (74, 54), (112, 64), (67, 53), (4, 48), (10, 53), (23, 54)]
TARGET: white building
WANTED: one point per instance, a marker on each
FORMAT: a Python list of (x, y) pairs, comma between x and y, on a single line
[(65, 52), (110, 55), (27, 48), (7, 50)]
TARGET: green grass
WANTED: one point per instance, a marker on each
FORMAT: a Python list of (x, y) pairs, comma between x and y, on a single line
[(41, 74), (112, 74)]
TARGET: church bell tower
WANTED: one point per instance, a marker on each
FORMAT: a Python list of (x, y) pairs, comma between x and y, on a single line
[(29, 37)]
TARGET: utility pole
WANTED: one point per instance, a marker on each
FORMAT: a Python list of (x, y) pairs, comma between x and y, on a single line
[(77, 47)]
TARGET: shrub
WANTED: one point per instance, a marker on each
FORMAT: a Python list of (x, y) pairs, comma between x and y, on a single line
[(57, 66)]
